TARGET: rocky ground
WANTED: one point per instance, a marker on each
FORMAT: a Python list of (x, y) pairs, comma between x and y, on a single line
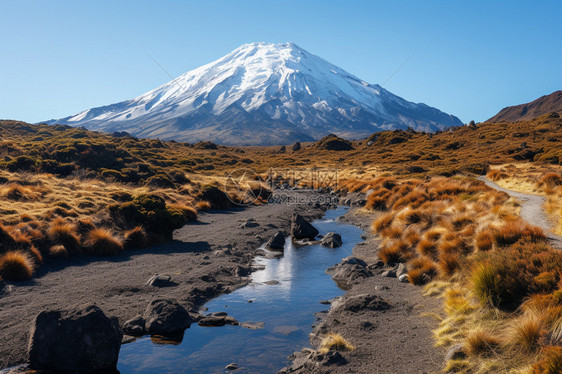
[(207, 258), (389, 322)]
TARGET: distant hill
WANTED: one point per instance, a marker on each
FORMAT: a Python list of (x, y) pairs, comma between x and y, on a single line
[(543, 105)]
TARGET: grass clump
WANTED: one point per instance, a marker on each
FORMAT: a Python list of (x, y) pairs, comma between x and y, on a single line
[(136, 238), (64, 233), (550, 361), (481, 343), (16, 266), (102, 242), (335, 342)]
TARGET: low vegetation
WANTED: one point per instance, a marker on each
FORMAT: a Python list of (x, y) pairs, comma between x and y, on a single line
[(70, 192), (499, 277), (335, 342)]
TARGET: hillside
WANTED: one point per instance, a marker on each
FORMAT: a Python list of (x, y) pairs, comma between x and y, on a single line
[(263, 94), (541, 106)]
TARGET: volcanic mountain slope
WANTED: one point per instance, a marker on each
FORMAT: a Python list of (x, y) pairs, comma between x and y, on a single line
[(543, 105), (263, 94)]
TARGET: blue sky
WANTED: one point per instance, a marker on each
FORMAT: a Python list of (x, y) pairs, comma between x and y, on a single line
[(470, 59)]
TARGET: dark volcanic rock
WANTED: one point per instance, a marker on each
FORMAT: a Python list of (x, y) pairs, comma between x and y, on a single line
[(81, 339), (277, 242), (359, 302), (302, 229), (218, 319), (332, 240), (349, 272), (296, 146), (164, 316), (135, 326)]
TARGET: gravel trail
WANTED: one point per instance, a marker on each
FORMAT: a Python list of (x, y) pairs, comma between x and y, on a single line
[(532, 210)]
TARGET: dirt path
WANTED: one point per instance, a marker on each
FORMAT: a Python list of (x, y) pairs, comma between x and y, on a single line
[(207, 258), (532, 210)]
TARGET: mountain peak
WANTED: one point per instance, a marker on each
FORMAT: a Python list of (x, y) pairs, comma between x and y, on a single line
[(263, 93)]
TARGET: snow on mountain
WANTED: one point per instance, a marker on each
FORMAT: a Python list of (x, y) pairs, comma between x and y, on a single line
[(263, 94)]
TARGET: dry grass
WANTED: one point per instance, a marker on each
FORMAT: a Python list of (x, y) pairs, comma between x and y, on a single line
[(541, 179), (58, 251), (101, 242), (481, 342), (202, 206), (527, 331), (16, 266), (136, 238), (550, 362), (335, 342), (64, 233), (470, 237)]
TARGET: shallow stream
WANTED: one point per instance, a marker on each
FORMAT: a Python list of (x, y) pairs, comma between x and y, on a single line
[(286, 309)]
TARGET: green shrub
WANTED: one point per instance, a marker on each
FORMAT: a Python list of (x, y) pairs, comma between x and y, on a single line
[(217, 198)]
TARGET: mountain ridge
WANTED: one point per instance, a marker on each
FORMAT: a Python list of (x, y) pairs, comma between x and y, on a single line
[(528, 111), (263, 94)]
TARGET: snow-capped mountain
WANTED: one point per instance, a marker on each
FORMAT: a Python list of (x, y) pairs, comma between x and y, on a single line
[(263, 94)]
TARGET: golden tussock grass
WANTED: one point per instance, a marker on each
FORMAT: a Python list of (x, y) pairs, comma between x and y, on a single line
[(422, 270), (101, 242), (511, 232), (492, 262), (527, 331), (64, 233), (395, 251), (484, 240), (335, 342), (136, 238), (481, 342), (58, 251), (550, 361), (16, 266), (202, 206)]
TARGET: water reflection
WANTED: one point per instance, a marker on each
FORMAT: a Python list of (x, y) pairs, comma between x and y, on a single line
[(286, 309)]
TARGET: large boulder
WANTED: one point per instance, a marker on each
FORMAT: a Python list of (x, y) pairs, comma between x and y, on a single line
[(165, 316), (82, 339), (277, 242), (359, 303), (349, 272), (302, 229), (332, 240)]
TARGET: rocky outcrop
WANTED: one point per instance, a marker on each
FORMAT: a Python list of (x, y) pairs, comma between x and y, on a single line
[(82, 339)]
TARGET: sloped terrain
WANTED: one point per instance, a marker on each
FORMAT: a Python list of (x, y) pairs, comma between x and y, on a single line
[(539, 107)]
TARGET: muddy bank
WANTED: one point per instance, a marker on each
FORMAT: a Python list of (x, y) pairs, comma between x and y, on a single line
[(386, 320), (207, 258)]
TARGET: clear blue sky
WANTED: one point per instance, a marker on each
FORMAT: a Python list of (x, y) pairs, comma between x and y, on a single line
[(470, 59)]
